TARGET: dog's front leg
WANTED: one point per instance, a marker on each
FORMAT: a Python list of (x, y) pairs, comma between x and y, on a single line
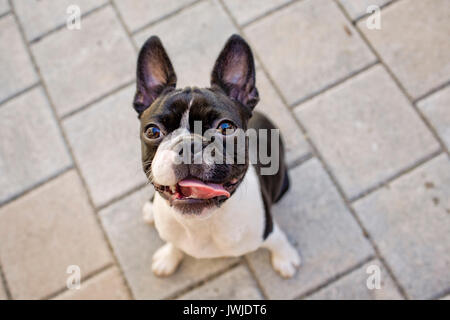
[(166, 260), (285, 258)]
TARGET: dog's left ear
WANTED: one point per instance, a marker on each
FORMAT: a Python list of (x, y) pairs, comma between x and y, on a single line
[(234, 72)]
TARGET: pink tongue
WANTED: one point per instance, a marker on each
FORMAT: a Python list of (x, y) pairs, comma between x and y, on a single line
[(198, 189)]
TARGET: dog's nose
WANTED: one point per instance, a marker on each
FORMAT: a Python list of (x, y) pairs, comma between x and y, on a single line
[(190, 147)]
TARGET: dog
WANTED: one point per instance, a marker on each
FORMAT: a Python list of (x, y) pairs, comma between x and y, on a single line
[(207, 210)]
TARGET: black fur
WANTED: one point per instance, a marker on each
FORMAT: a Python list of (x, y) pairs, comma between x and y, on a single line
[(274, 186), (232, 96)]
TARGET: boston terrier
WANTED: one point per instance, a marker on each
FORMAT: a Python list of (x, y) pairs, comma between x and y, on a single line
[(208, 209)]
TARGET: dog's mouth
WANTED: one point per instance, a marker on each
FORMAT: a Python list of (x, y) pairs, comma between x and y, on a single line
[(195, 191)]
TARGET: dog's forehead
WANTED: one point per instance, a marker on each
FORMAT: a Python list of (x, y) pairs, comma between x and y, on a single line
[(180, 107)]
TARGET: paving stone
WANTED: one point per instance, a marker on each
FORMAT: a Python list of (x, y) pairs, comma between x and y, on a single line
[(317, 222), (139, 13), (108, 285), (134, 243), (4, 6), (79, 66), (2, 291), (271, 105), (237, 284), (409, 221), (413, 42), (31, 148), (16, 69), (192, 50), (106, 145), (246, 11), (39, 17), (308, 60), (366, 130), (353, 286), (357, 9), (44, 232), (436, 109)]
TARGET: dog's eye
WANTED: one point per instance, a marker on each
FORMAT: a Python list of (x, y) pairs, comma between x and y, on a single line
[(153, 132), (226, 127)]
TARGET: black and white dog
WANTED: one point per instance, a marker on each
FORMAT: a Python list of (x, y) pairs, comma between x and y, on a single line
[(207, 209)]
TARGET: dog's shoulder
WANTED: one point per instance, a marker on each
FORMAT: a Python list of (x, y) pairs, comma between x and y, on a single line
[(273, 182)]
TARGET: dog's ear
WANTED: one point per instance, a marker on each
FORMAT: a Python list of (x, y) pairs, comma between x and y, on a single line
[(154, 74), (234, 72)]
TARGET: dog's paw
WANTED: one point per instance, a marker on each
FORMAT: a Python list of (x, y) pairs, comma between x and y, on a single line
[(147, 213), (166, 260), (286, 263)]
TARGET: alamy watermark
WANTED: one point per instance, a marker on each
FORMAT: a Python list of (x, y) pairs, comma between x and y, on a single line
[(374, 279), (73, 281), (237, 146), (73, 21), (373, 21)]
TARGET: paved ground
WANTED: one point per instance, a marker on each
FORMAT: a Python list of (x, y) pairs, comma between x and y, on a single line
[(366, 116)]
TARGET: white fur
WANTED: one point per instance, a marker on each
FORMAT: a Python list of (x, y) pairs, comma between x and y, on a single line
[(147, 213), (162, 169), (231, 230), (234, 229), (285, 258), (184, 122), (166, 260)]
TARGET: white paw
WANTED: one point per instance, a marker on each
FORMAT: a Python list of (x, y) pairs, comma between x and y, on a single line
[(166, 260), (287, 262), (147, 213)]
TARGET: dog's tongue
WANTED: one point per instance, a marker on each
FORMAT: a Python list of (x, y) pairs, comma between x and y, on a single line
[(198, 189)]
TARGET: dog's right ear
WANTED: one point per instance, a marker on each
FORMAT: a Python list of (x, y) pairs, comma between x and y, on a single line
[(234, 72), (154, 74)]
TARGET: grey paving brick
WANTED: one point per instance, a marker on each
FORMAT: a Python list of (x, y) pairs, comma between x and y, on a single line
[(271, 105), (195, 43), (16, 69), (44, 232), (106, 145), (134, 243), (353, 286), (409, 221), (236, 284), (79, 66), (320, 226), (413, 42), (246, 11), (366, 130), (2, 291), (138, 13), (108, 285), (39, 17), (4, 6), (437, 109), (357, 9), (296, 47), (31, 146)]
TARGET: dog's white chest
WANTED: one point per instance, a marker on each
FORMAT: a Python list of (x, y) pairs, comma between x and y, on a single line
[(233, 229)]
